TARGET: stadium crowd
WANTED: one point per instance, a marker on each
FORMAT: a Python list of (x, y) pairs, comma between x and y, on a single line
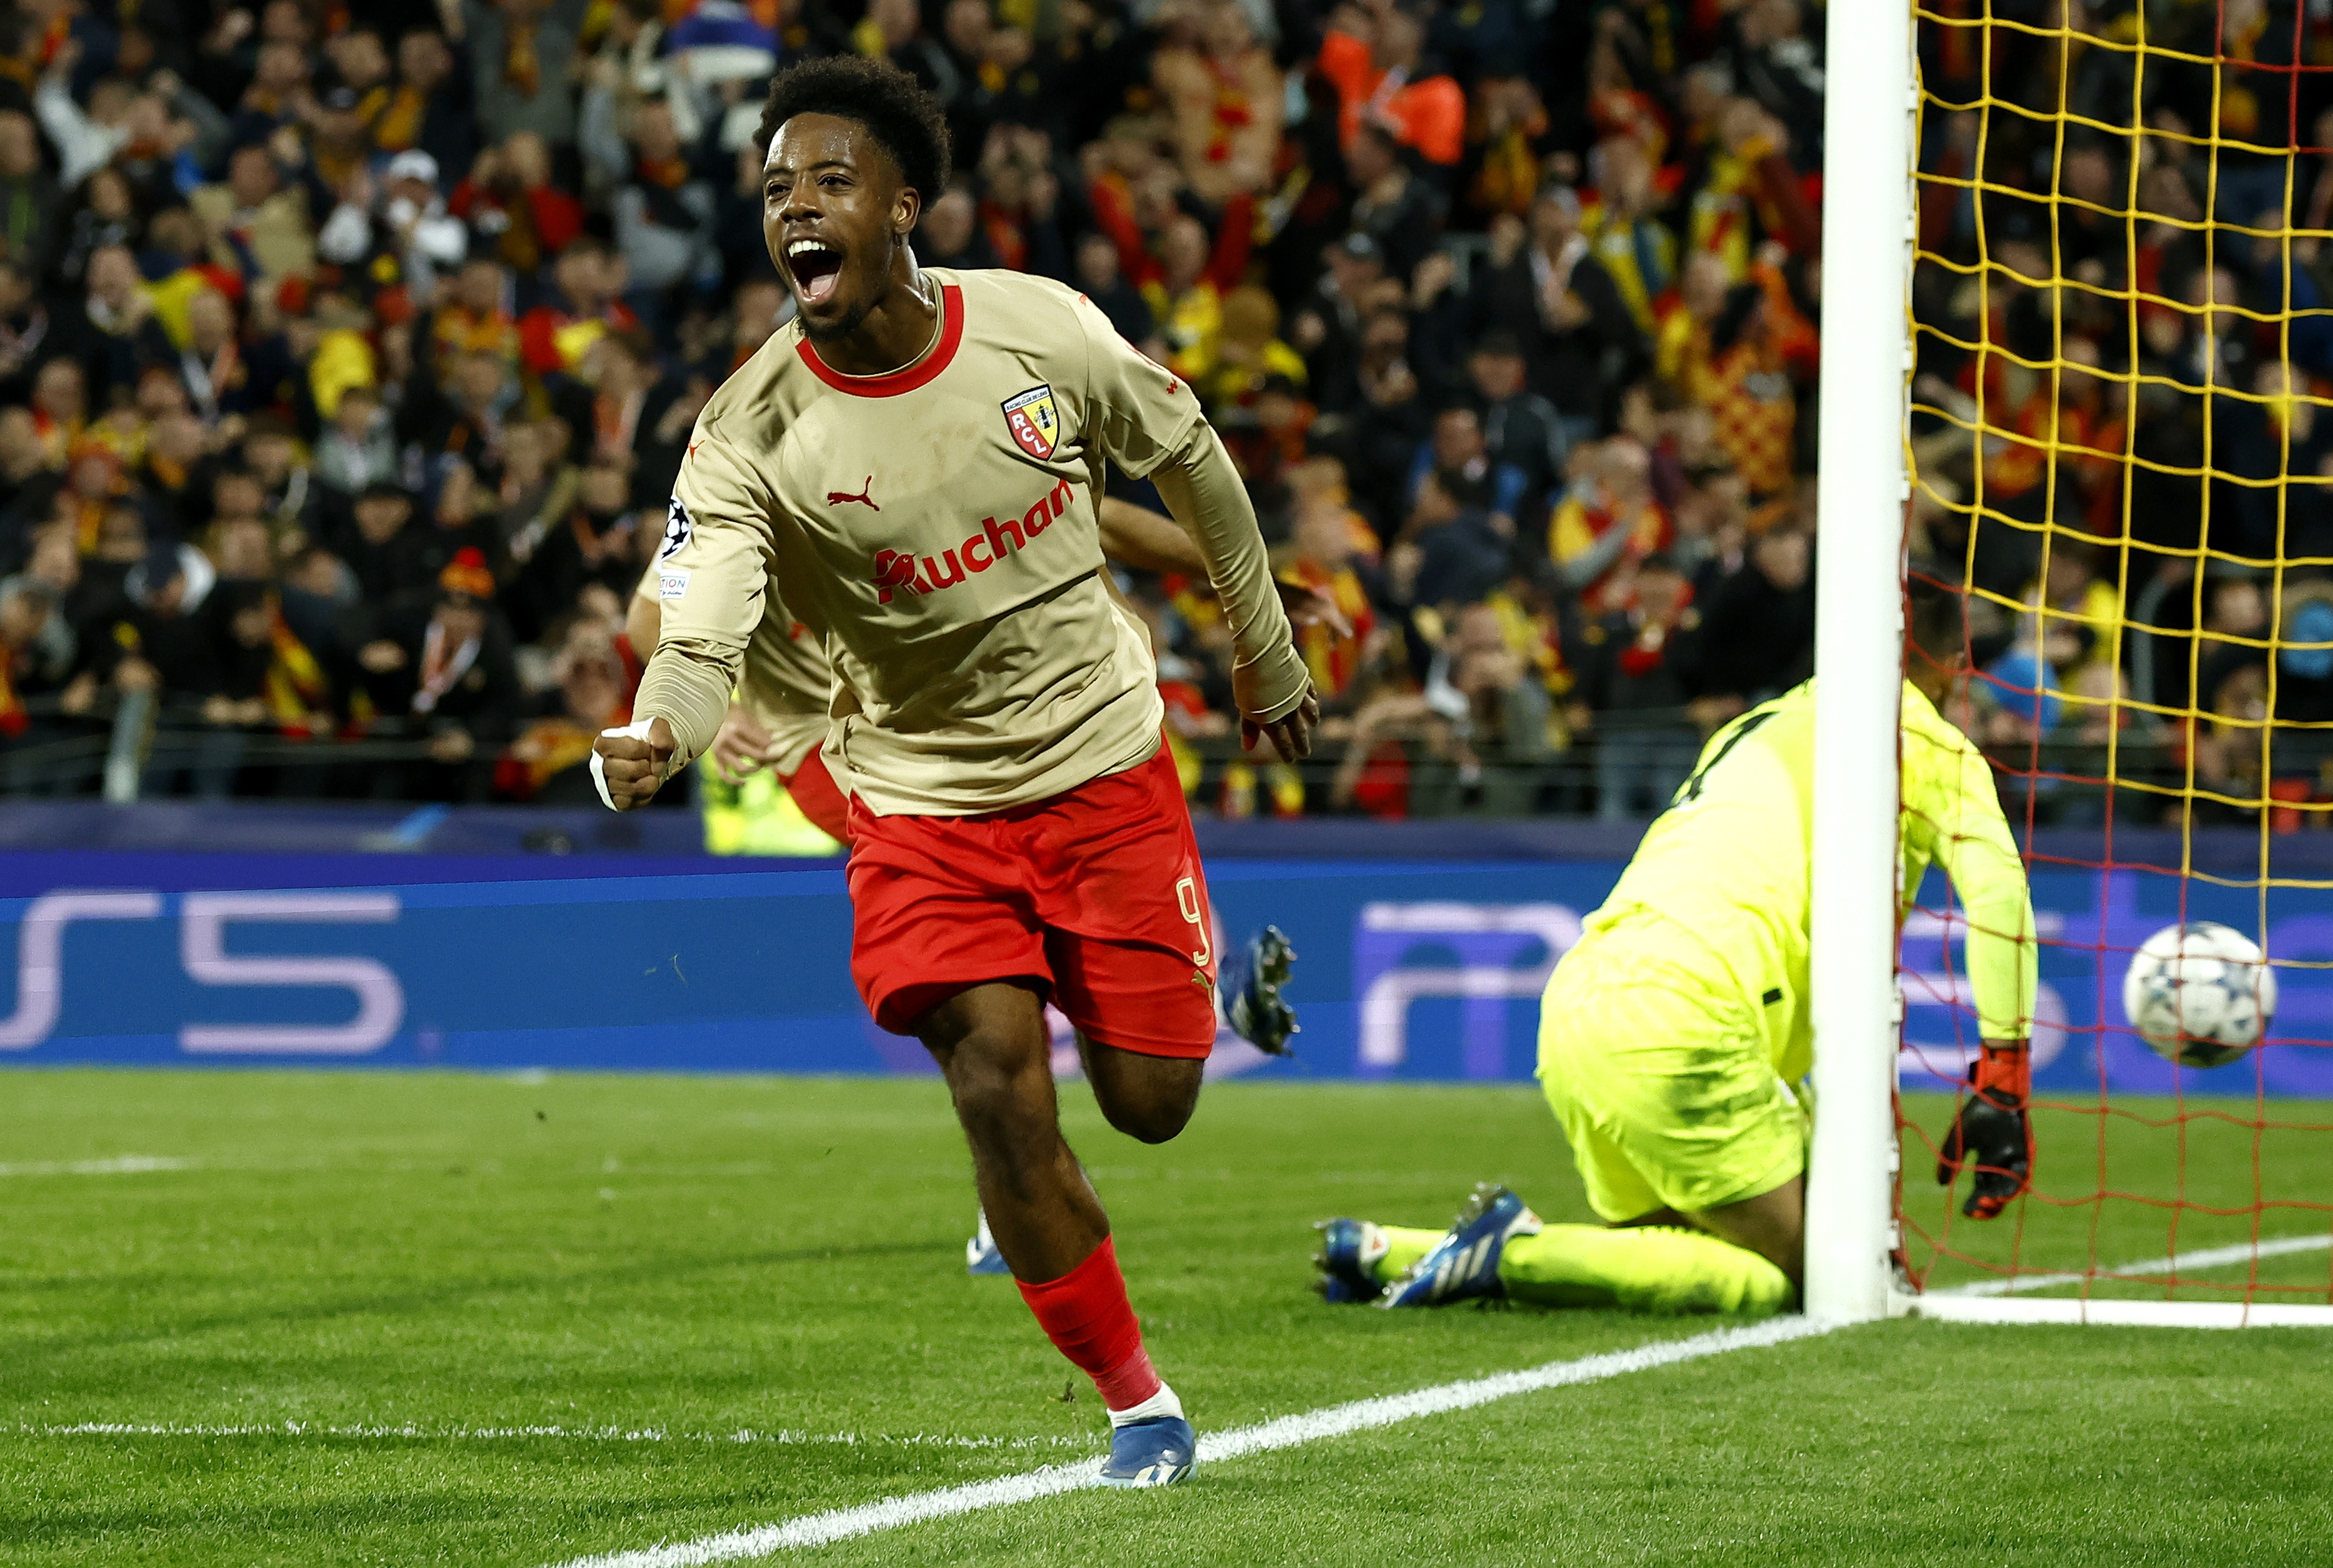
[(349, 351), (2133, 313)]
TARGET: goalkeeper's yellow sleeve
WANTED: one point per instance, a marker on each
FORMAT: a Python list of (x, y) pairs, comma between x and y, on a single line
[(1951, 816)]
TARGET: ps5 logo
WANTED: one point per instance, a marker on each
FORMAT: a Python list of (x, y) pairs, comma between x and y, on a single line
[(203, 922), (1502, 953)]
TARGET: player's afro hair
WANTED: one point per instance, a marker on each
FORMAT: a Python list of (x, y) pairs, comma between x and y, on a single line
[(903, 119)]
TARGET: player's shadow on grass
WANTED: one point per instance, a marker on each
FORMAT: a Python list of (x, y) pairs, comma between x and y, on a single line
[(662, 1268)]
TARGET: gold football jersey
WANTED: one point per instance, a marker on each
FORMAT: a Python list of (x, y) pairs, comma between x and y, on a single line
[(936, 528)]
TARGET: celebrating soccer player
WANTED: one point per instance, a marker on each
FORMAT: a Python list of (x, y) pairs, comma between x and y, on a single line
[(913, 465), (778, 719), (1671, 1036)]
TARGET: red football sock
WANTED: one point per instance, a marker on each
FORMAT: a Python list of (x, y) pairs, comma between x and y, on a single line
[(1086, 1315)]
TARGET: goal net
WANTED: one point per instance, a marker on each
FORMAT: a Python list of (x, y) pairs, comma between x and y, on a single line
[(2120, 450)]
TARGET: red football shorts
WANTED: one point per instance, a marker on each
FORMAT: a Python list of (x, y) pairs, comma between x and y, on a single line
[(813, 789), (1095, 896)]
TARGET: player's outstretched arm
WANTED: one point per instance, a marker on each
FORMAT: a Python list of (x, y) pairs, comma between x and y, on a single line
[(1269, 679), (1953, 812), (1137, 537), (711, 574), (1144, 418)]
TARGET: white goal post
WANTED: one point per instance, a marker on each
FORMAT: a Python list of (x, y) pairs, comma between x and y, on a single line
[(1862, 490)]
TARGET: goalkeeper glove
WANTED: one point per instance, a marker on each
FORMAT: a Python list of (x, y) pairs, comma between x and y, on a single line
[(1991, 1134)]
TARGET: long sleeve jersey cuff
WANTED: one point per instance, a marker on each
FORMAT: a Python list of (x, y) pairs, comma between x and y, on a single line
[(687, 685), (1204, 491)]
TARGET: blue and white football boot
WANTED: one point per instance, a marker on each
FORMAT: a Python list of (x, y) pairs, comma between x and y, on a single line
[(980, 1253), (1151, 1445), (1249, 985), (1464, 1264), (1350, 1252)]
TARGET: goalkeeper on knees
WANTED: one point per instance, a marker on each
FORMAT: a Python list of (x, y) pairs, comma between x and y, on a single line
[(1672, 1035)]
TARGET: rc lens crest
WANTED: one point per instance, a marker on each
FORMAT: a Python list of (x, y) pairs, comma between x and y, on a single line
[(1035, 423)]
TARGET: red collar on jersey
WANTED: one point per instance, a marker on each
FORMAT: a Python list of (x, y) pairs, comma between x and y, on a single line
[(909, 377)]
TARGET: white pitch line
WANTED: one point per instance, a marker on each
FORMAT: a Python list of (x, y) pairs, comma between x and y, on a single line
[(2172, 1263), (581, 1434), (1288, 1431), (120, 1165)]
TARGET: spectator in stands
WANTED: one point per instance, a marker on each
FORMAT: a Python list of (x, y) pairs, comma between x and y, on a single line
[(1748, 390), (403, 219), (36, 649), (103, 214), (1323, 558), (1392, 206), (1451, 551), (1780, 63), (1374, 57), (586, 301), (114, 330), (380, 547), (1226, 99), (1497, 709), (1636, 249), (1457, 454), (257, 218), (1634, 667), (446, 677), (1577, 334), (24, 328), (1327, 327), (1390, 423), (664, 214), (523, 54), (472, 317), (516, 214), (430, 107), (1757, 637), (1099, 281), (357, 450), (29, 198), (548, 762), (1520, 430), (1607, 522)]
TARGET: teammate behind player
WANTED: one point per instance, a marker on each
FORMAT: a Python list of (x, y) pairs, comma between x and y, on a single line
[(1670, 1035), (913, 464)]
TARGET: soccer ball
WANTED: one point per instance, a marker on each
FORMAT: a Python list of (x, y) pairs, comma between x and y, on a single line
[(2201, 994)]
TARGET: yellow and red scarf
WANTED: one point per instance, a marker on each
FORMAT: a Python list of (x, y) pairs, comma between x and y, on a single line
[(294, 686), (13, 717)]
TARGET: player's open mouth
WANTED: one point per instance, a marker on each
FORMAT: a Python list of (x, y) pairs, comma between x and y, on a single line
[(817, 268)]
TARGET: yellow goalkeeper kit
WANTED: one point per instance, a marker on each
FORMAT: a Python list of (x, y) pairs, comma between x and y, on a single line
[(1672, 1036)]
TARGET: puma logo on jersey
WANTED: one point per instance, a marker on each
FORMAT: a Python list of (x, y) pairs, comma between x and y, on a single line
[(897, 572), (866, 496)]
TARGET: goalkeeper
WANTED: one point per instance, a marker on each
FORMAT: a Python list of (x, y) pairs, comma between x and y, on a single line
[(1671, 1036)]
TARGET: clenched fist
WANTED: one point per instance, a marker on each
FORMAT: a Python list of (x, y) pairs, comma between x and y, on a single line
[(635, 768)]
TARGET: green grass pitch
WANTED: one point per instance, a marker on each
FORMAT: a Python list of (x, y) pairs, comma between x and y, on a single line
[(412, 1269)]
